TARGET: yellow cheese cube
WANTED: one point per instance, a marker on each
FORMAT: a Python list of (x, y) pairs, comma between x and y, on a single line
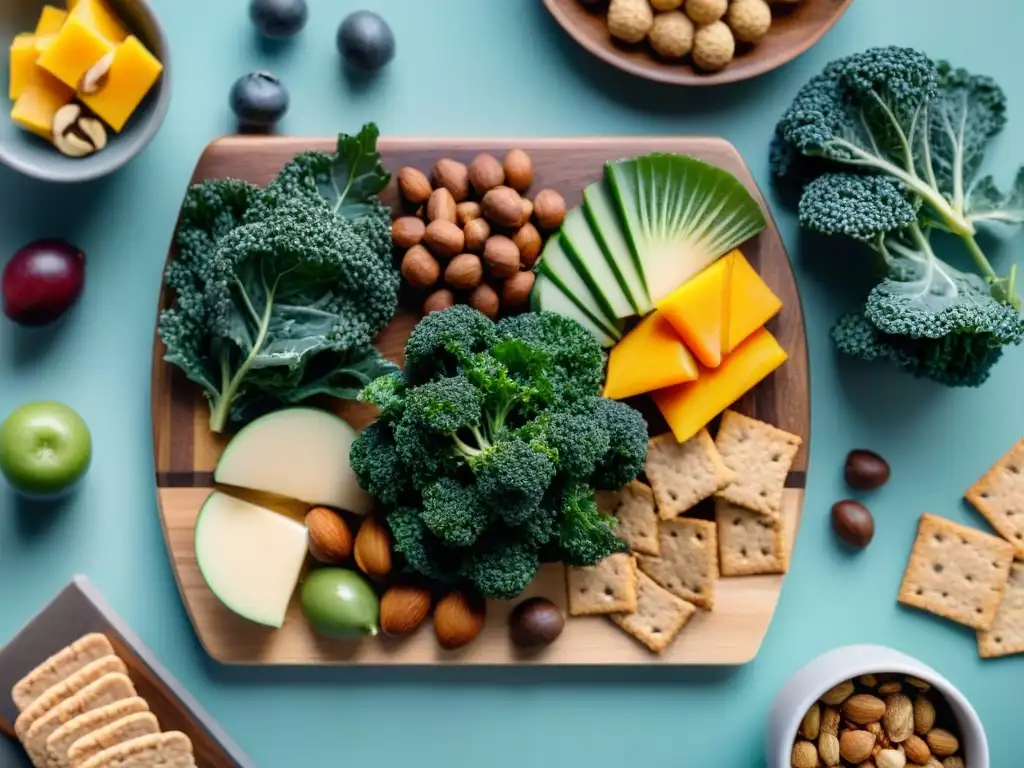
[(133, 73), (50, 21), (650, 357), (688, 408), (23, 63), (720, 307), (98, 15), (73, 52), (72, 4), (39, 102), (43, 42)]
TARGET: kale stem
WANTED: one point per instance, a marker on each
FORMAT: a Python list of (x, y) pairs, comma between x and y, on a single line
[(248, 302), (908, 155), (979, 257)]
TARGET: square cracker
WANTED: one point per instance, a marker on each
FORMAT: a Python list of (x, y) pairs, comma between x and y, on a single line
[(659, 616), (999, 496), (749, 543), (688, 565), (956, 572), (125, 729), (1006, 636), (633, 507), (684, 474), (608, 587), (166, 750), (64, 690), (760, 456), (60, 667), (61, 740), (106, 690)]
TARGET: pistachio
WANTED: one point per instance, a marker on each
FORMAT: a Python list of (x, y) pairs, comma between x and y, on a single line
[(77, 136), (95, 78), (94, 131)]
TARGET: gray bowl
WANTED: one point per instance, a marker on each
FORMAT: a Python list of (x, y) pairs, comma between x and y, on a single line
[(33, 156)]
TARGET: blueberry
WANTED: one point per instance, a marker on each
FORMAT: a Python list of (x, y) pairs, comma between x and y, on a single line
[(365, 41), (279, 18), (259, 100)]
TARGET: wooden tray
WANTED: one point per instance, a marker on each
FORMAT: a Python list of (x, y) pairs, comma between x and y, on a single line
[(186, 453), (79, 610)]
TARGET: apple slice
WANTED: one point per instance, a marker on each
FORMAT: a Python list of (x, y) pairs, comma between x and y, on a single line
[(250, 557), (299, 453)]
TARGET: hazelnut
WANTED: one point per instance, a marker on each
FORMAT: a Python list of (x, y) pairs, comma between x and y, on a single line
[(407, 231), (441, 206), (529, 243), (466, 212), (453, 176), (501, 256), (527, 210), (419, 268), (443, 238), (464, 271), (515, 291), (503, 206), (438, 300), (458, 619), (414, 185), (485, 300), (549, 209), (476, 233), (485, 173), (518, 170)]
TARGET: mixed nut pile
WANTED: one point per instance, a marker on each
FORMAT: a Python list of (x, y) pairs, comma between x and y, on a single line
[(473, 235), (878, 721)]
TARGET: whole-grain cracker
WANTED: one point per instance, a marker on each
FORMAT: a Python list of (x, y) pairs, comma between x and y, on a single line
[(999, 496), (1006, 635), (166, 750), (688, 564), (684, 474), (633, 507), (65, 689), (749, 543), (61, 740), (659, 617), (608, 587), (760, 456), (125, 729), (59, 667)]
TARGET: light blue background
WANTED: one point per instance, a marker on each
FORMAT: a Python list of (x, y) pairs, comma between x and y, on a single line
[(490, 67)]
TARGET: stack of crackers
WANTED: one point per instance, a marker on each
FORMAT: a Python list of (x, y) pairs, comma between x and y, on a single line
[(79, 709), (677, 556), (972, 577)]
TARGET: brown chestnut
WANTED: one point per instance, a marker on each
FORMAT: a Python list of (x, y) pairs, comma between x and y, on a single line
[(853, 523), (535, 622), (865, 470)]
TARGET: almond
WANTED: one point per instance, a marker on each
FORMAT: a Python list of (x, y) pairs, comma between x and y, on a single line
[(804, 755), (828, 749), (476, 233), (467, 211), (373, 548), (484, 299), (890, 758), (407, 231), (458, 619), (863, 708), (518, 170), (453, 176), (464, 271), (403, 609), (501, 257), (898, 719), (890, 687), (917, 750), (868, 681), (485, 173), (515, 291), (953, 762), (924, 715), (918, 683), (830, 721), (549, 209), (444, 239), (942, 743), (810, 726), (838, 694), (438, 301), (414, 185), (441, 206), (529, 243), (503, 206), (330, 540), (419, 268), (855, 746)]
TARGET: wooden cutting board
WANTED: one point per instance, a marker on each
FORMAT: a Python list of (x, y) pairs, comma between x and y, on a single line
[(186, 453)]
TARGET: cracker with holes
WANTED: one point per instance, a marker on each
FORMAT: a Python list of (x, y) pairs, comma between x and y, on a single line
[(760, 456), (749, 543), (659, 615), (956, 572), (999, 496), (1006, 635), (688, 565), (633, 507), (684, 474), (608, 587)]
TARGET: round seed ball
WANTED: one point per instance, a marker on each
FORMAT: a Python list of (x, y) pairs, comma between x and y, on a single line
[(666, 5), (713, 46), (518, 170), (484, 299), (671, 37), (749, 20), (706, 11), (438, 300), (630, 20)]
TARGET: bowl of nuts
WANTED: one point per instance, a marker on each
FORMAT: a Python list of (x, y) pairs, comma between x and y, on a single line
[(873, 707)]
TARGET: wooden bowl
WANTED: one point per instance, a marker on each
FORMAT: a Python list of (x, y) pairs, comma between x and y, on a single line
[(795, 28)]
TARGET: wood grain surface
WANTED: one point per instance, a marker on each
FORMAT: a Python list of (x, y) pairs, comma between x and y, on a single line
[(186, 453), (795, 28)]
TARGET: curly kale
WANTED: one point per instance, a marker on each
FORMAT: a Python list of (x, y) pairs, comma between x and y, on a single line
[(587, 534), (454, 512), (886, 146), (374, 460), (503, 567), (278, 293)]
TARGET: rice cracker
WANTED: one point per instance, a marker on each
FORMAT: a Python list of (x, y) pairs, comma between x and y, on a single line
[(659, 616), (749, 543), (105, 691), (1006, 635), (684, 474), (956, 572), (60, 667), (633, 507), (760, 457), (688, 564), (65, 689), (163, 750), (999, 496), (125, 729), (61, 740), (608, 587)]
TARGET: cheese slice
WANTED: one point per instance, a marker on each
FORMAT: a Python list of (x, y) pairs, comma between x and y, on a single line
[(651, 356), (688, 408), (719, 308), (250, 557)]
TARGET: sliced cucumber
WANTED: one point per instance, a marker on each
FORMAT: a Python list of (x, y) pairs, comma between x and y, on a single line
[(556, 264), (586, 254), (600, 210), (548, 296)]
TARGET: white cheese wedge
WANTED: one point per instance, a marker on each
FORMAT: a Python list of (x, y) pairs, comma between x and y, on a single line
[(250, 557), (300, 453)]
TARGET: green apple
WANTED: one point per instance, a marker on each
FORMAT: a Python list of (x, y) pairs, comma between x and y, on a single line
[(45, 448)]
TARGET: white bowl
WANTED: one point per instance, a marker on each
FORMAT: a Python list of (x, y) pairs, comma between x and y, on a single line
[(846, 663)]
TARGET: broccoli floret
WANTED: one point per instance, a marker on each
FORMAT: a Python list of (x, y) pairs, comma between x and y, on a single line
[(422, 551), (587, 535), (426, 454), (388, 394), (441, 337), (627, 452), (445, 405), (541, 527), (454, 512), (581, 442), (513, 475), (503, 568), (375, 462)]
